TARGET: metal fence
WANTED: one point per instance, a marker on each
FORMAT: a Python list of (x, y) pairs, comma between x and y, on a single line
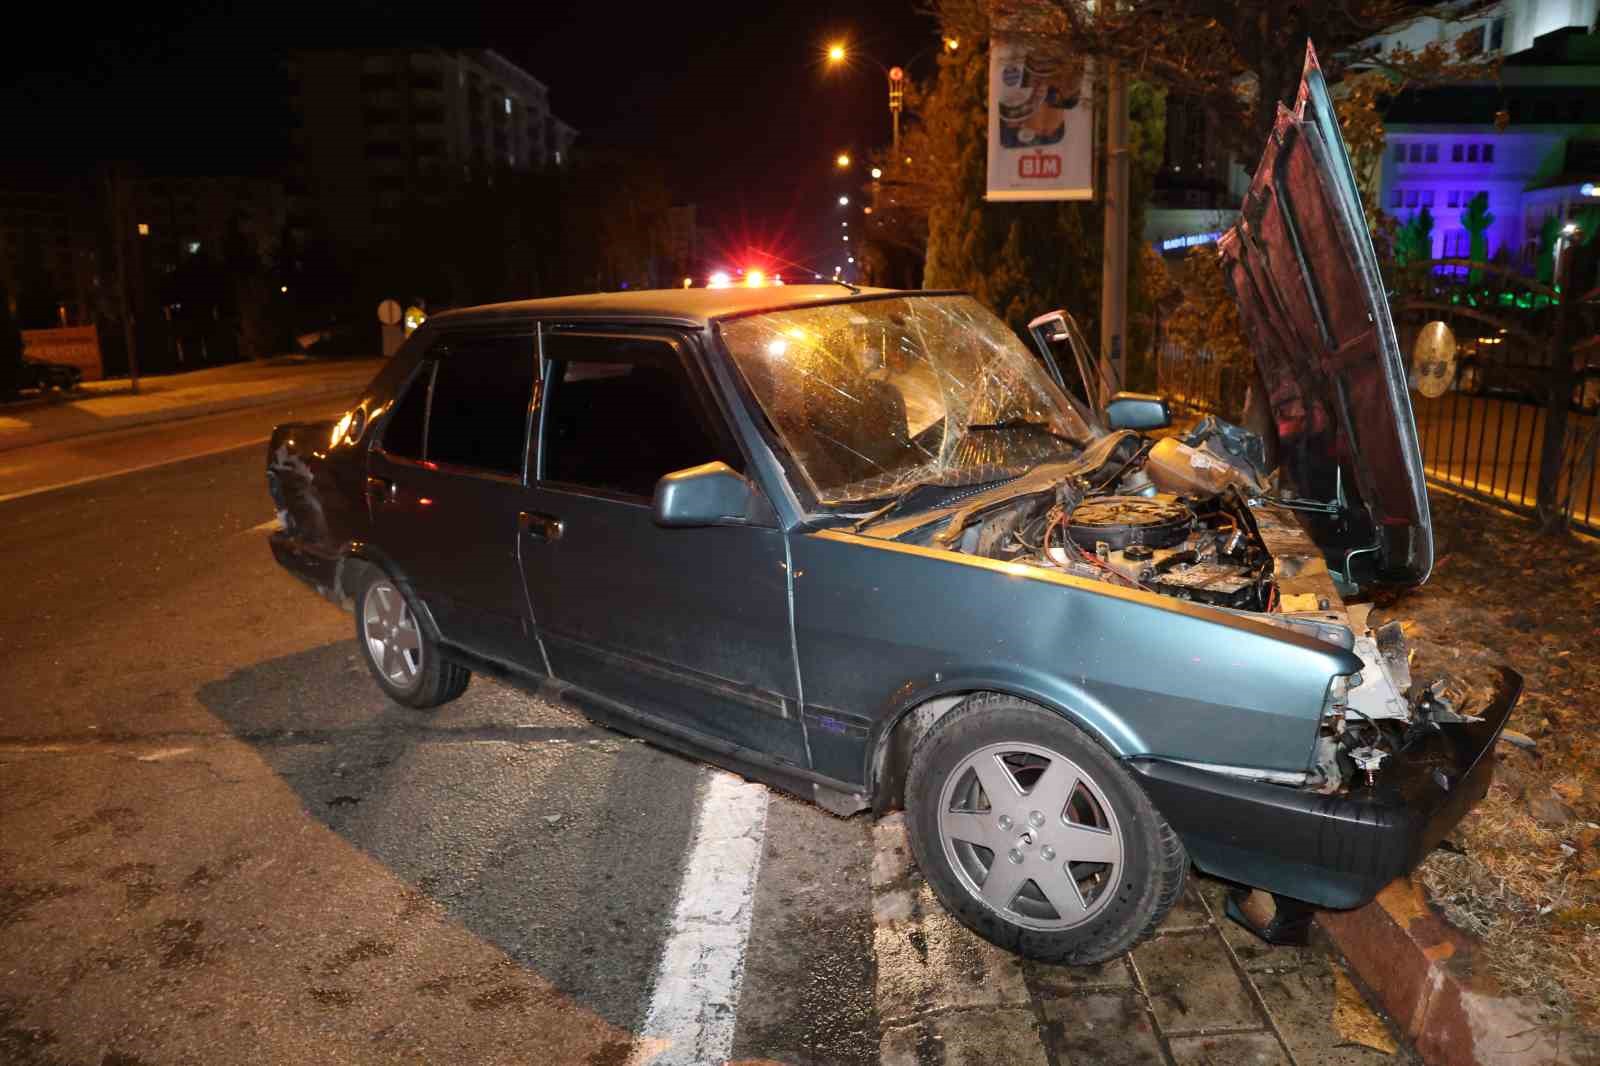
[(1486, 435)]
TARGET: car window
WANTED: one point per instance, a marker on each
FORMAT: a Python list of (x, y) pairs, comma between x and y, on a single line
[(403, 435), (620, 412), (478, 417)]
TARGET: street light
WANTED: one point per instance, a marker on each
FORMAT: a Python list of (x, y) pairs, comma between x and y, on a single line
[(842, 161), (876, 173), (844, 201), (838, 55)]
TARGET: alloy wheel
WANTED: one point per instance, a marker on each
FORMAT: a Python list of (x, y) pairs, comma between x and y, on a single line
[(1031, 834), (390, 630)]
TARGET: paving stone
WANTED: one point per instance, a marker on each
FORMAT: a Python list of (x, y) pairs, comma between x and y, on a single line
[(971, 1038), (1188, 912), (1193, 985), (1061, 980), (930, 961), (1301, 1001), (1102, 1029), (1235, 1049)]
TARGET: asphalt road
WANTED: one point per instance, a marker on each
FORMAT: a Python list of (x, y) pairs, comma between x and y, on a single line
[(219, 844)]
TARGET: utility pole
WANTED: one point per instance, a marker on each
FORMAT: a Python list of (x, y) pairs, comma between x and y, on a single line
[(1114, 277), (116, 191)]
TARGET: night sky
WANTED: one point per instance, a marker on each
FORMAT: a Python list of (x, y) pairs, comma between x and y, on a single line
[(733, 98)]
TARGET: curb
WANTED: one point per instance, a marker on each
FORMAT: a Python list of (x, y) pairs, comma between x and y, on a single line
[(30, 438), (1422, 970)]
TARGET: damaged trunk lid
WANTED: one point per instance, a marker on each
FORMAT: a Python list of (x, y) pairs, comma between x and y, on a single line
[(1311, 299)]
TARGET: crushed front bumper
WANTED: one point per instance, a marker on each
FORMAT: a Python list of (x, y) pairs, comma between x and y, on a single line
[(1333, 851)]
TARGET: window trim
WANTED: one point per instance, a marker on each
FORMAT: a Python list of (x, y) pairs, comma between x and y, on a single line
[(429, 364), (699, 384)]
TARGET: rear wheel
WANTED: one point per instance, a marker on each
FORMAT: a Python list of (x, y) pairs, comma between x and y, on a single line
[(1033, 837), (399, 649)]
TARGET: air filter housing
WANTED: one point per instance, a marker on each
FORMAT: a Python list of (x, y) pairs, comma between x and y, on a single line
[(1123, 521)]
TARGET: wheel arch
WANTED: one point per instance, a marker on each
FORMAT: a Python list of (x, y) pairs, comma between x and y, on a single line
[(359, 557), (908, 719)]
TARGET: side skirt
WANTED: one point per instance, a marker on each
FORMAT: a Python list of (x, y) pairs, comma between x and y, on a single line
[(832, 795)]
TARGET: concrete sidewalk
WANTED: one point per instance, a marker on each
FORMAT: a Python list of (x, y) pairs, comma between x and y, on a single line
[(100, 406)]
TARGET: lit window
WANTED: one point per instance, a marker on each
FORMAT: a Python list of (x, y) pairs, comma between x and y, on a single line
[(1456, 153), (558, 157), (1472, 153), (1432, 154), (194, 247), (508, 105), (1488, 153)]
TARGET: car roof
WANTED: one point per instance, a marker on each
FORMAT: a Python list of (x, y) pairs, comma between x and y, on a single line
[(689, 306)]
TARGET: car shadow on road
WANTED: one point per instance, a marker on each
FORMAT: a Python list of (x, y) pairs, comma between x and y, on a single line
[(555, 839)]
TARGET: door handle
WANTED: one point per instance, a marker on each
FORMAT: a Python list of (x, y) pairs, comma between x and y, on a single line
[(540, 526), (381, 489)]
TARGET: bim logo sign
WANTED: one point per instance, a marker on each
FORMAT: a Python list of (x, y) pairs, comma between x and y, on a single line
[(1039, 165)]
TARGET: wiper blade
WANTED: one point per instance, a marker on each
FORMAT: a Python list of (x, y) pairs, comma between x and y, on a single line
[(1021, 423)]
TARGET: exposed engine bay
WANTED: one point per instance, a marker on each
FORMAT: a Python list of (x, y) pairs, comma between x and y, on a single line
[(1195, 519)]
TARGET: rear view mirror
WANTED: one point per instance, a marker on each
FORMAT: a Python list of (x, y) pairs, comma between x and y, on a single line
[(1137, 410), (712, 494)]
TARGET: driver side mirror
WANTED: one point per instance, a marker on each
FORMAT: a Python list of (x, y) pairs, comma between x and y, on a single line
[(1137, 410), (711, 494)]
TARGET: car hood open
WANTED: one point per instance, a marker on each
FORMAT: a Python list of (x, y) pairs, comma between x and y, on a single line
[(1300, 263)]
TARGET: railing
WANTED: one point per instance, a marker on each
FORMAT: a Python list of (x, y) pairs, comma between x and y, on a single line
[(1488, 435)]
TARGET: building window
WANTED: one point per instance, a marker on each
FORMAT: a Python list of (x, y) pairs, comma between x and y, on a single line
[(508, 105), (1399, 153), (1454, 199), (1457, 153), (1488, 153), (1427, 198), (1472, 153), (1412, 198), (1497, 34), (1432, 154), (1415, 152)]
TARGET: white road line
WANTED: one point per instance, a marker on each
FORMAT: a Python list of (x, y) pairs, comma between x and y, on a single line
[(696, 1001), (134, 469)]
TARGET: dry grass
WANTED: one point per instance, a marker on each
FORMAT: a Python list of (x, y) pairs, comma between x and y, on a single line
[(1528, 882)]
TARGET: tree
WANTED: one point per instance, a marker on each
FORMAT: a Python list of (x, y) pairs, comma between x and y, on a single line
[(1476, 220), (1414, 241), (1019, 259), (1236, 59)]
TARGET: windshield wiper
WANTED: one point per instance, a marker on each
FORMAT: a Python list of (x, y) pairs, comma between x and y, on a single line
[(1020, 423)]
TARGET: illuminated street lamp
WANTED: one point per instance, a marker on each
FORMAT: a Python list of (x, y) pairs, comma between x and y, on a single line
[(844, 201), (838, 55), (876, 173), (843, 160)]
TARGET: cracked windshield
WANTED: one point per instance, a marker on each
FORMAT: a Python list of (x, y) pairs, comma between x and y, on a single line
[(876, 396)]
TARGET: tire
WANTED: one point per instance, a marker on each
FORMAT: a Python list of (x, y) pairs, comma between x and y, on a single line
[(1131, 867), (400, 649)]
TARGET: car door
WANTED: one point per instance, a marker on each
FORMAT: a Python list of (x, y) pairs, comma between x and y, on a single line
[(445, 483), (689, 626)]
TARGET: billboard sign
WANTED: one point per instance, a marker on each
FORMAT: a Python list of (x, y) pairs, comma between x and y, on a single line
[(1041, 125)]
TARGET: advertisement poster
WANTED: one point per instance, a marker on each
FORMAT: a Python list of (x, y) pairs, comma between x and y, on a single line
[(1041, 126)]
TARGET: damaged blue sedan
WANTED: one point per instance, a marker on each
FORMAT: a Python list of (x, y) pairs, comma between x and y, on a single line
[(868, 547)]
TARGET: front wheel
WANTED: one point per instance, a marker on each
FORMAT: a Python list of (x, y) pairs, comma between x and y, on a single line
[(400, 650), (1033, 837)]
